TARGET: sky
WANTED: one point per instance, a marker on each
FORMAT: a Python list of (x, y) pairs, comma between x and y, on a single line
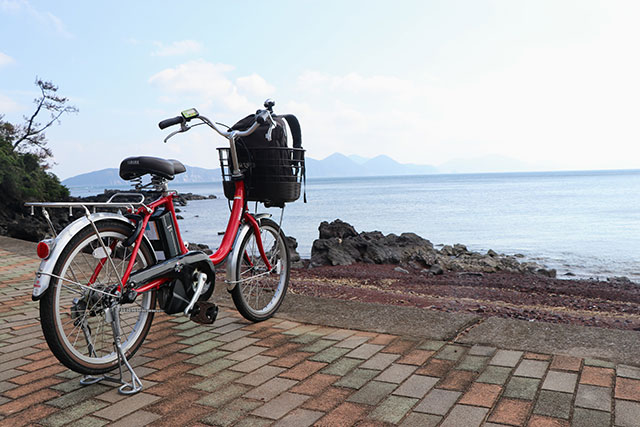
[(548, 85)]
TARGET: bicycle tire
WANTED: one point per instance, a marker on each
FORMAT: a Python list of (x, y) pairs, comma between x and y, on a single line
[(62, 316), (254, 284)]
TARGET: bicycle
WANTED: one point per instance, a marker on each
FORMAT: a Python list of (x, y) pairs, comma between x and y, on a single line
[(101, 277)]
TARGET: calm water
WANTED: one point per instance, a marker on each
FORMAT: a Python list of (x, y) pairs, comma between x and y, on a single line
[(587, 223)]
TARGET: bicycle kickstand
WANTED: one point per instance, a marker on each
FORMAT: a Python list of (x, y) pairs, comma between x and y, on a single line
[(112, 315)]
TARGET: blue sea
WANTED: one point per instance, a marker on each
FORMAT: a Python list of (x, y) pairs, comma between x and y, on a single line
[(585, 223)]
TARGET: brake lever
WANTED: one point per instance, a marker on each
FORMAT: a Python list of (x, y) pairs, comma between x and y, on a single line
[(271, 128), (183, 128)]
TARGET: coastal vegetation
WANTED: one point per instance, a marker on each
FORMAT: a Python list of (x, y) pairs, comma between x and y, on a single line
[(25, 159)]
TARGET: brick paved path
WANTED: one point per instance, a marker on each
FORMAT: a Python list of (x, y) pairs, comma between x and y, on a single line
[(286, 373)]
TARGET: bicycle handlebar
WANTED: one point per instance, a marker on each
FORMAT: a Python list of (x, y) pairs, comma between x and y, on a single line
[(170, 122)]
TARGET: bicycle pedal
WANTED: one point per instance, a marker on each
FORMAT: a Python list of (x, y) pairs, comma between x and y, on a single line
[(204, 313)]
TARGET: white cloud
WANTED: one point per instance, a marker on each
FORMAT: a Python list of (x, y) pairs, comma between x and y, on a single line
[(210, 85), (182, 47), (255, 85), (5, 59)]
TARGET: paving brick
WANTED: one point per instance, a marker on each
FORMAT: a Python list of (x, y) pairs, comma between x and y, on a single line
[(34, 414), (329, 355), (433, 345), (207, 357), (590, 418), (286, 325), (31, 387), (531, 368), (593, 397), (628, 371), (356, 378), (416, 357), (252, 364), (560, 381), (77, 396), (536, 356), (522, 388), (472, 363), (627, 413), (451, 352), (392, 409), (481, 394), (32, 399), (235, 344), (508, 358), (328, 399), (341, 367), (462, 415), (74, 413), (438, 401), (416, 386), (627, 388), (138, 418), (253, 422), (380, 361), (553, 404), (126, 406), (279, 406), (260, 375), (270, 389), (300, 330), (246, 353), (396, 373), (416, 419), (481, 350), (291, 359), (457, 380), (315, 384), (540, 421), (436, 368), (339, 335), (566, 363), (353, 342), (236, 409), (276, 343), (299, 418), (592, 375), (511, 411), (494, 375), (225, 394), (212, 367), (303, 370), (346, 414), (383, 339), (365, 351), (599, 363), (217, 381), (372, 393), (317, 346)]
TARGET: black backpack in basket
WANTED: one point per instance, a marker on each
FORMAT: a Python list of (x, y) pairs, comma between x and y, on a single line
[(273, 171)]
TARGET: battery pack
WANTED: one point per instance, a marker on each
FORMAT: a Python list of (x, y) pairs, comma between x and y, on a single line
[(161, 232)]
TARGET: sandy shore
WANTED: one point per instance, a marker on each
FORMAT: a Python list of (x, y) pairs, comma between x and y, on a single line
[(530, 297)]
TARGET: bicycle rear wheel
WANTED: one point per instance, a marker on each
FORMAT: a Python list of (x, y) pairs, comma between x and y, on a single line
[(259, 291), (72, 311)]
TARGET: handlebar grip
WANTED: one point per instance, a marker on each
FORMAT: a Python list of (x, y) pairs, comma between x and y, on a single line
[(170, 122)]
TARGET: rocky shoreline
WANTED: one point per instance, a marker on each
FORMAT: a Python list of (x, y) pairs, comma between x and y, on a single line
[(340, 244)]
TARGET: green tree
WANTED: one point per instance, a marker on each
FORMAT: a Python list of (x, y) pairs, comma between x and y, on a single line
[(24, 157)]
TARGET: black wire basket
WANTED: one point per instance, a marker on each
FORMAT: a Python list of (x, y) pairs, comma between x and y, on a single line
[(272, 175)]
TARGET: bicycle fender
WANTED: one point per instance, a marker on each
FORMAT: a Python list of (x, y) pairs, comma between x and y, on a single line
[(43, 274), (232, 261)]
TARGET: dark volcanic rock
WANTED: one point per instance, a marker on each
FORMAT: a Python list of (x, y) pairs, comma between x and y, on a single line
[(340, 244)]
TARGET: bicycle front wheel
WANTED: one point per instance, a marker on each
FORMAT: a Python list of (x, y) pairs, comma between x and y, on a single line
[(72, 311), (260, 290)]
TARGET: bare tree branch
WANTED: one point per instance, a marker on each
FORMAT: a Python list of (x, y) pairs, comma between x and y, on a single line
[(30, 136)]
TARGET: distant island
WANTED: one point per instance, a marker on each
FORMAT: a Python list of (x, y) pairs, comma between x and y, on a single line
[(336, 165)]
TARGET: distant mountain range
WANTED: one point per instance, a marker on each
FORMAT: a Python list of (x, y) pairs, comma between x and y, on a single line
[(335, 166)]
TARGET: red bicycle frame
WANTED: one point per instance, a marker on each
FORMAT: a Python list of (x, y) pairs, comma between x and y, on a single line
[(238, 213)]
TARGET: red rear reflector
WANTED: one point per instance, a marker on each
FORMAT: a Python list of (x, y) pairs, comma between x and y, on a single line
[(43, 250)]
